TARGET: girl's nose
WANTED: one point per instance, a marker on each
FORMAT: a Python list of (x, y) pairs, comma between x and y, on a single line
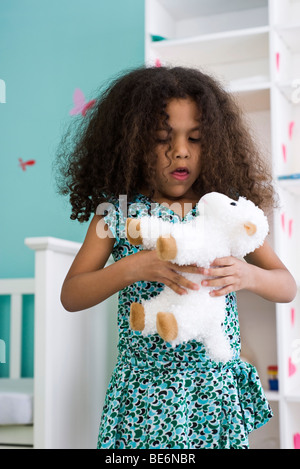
[(182, 156), (180, 149)]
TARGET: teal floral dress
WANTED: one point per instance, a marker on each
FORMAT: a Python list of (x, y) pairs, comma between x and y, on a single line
[(161, 397)]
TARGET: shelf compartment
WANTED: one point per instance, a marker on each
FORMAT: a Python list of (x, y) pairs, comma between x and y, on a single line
[(182, 10), (252, 97), (178, 19), (221, 48)]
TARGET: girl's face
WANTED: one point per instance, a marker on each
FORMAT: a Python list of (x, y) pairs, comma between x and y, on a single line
[(177, 172)]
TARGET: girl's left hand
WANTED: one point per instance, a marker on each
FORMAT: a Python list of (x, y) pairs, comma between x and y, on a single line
[(229, 274)]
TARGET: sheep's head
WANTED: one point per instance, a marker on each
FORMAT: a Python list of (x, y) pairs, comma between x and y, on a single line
[(240, 220)]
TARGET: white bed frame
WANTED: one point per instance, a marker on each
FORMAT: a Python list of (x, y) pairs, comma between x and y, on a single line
[(74, 354)]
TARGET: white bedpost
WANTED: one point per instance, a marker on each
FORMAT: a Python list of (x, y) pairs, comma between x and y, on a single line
[(73, 358), (15, 335)]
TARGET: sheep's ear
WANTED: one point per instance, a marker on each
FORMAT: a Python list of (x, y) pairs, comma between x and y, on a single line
[(133, 231), (166, 248), (250, 228)]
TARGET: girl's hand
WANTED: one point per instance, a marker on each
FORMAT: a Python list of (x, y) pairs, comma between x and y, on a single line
[(230, 274), (147, 266)]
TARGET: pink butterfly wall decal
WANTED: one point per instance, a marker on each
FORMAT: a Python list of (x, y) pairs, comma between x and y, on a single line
[(291, 221), (284, 152), (80, 105), (297, 441), (277, 61), (291, 367), (293, 316), (24, 164), (283, 146), (283, 221), (291, 128), (289, 225)]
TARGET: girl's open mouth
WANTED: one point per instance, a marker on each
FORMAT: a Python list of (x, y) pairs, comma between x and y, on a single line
[(180, 174)]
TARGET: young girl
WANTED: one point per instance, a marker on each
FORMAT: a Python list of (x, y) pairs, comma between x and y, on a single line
[(160, 138)]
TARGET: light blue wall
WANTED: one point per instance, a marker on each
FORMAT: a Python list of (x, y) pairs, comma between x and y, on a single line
[(47, 49)]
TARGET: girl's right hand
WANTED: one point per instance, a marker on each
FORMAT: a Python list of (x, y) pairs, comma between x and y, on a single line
[(148, 267)]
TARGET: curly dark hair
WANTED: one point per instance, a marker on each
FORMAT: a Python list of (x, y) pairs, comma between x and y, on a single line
[(112, 150)]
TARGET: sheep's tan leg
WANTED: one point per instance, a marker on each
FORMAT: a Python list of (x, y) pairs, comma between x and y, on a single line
[(133, 231), (166, 326), (137, 317), (166, 248)]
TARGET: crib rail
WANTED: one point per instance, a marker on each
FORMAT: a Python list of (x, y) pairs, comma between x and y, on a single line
[(16, 288), (74, 353), (73, 357)]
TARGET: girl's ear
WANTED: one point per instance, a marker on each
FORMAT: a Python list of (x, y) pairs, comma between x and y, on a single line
[(250, 228)]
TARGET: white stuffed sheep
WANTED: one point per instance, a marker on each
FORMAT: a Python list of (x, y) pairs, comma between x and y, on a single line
[(224, 227)]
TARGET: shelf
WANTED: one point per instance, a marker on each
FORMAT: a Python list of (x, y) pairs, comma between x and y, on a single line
[(226, 47), (183, 10), (272, 395), (292, 398), (250, 84), (252, 98)]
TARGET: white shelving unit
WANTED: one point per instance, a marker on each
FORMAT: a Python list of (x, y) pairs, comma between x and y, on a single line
[(253, 48)]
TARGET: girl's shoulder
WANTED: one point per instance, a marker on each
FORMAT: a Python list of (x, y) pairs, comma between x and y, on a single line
[(116, 209)]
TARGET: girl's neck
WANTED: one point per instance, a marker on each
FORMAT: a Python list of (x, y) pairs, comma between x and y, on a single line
[(179, 205)]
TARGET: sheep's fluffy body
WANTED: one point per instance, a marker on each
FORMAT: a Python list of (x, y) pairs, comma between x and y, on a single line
[(218, 231)]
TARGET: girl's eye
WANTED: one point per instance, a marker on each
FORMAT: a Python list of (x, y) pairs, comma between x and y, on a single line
[(162, 141), (194, 140)]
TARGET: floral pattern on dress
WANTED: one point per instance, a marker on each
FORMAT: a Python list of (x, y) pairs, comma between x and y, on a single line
[(164, 397)]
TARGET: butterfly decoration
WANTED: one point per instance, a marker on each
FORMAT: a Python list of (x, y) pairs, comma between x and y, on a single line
[(24, 164), (296, 440), (291, 128), (80, 105), (277, 61), (291, 367), (287, 224)]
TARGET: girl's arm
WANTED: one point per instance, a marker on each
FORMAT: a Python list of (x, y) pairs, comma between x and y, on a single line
[(89, 282), (263, 274)]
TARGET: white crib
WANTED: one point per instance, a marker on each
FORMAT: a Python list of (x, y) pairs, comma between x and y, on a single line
[(16, 393), (74, 354)]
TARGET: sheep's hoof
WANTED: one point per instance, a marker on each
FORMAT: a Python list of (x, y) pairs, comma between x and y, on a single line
[(166, 326), (137, 317), (166, 248)]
